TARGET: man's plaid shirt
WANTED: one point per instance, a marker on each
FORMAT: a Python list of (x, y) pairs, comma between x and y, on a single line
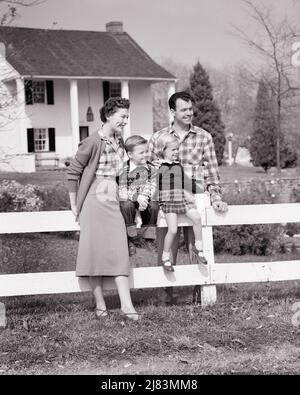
[(198, 158)]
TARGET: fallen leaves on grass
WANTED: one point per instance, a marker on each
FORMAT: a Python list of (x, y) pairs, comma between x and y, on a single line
[(185, 361), (25, 325)]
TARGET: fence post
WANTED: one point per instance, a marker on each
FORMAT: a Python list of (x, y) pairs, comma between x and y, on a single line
[(208, 292), (2, 315)]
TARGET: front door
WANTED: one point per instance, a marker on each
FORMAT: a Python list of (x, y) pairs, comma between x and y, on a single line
[(83, 132)]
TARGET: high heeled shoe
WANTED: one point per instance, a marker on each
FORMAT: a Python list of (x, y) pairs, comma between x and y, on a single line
[(131, 316), (101, 313)]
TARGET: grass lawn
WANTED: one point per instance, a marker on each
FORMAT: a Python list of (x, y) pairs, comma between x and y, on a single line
[(249, 330)]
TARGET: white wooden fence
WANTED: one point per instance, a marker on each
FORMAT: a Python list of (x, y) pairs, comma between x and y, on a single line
[(150, 277)]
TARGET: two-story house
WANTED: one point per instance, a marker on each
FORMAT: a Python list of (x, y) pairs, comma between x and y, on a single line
[(55, 81)]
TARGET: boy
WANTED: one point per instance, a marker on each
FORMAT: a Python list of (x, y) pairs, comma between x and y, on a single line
[(137, 188)]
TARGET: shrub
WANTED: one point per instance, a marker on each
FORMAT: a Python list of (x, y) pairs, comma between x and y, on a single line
[(294, 228), (264, 239), (17, 197), (54, 198), (248, 239), (253, 192)]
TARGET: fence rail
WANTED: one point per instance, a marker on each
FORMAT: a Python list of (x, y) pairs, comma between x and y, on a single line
[(150, 277)]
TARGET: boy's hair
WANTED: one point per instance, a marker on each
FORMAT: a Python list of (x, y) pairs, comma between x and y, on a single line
[(179, 95), (133, 141), (111, 106), (163, 141)]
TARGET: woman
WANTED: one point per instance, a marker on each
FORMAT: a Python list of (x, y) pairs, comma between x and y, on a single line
[(103, 249)]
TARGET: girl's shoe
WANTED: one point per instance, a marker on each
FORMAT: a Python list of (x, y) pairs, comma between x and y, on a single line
[(101, 313), (167, 265), (198, 257)]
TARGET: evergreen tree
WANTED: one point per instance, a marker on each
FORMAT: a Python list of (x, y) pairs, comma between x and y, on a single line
[(207, 114), (263, 139)]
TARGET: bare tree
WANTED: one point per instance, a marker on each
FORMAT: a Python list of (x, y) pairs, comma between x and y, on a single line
[(8, 12), (273, 44), (9, 102), (9, 9)]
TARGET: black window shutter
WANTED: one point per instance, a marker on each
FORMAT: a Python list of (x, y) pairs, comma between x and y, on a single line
[(106, 90), (30, 140), (28, 91), (51, 132), (50, 92)]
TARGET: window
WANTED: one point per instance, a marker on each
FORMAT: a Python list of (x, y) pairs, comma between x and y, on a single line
[(115, 89), (41, 140), (38, 92), (83, 132), (111, 89)]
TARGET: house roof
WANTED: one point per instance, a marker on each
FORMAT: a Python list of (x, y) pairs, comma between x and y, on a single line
[(70, 53)]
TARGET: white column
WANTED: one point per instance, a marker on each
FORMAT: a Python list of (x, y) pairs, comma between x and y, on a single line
[(171, 91), (74, 114), (21, 115), (125, 95)]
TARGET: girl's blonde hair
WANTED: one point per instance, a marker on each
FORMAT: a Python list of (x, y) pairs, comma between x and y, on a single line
[(163, 141)]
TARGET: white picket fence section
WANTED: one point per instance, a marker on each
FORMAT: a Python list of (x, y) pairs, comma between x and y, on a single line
[(150, 277)]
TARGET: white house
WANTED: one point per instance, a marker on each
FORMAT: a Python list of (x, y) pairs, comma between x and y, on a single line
[(53, 83)]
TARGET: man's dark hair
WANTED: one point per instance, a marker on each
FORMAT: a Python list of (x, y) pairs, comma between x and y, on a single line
[(111, 106), (179, 95)]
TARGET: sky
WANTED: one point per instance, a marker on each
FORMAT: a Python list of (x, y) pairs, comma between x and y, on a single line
[(184, 30)]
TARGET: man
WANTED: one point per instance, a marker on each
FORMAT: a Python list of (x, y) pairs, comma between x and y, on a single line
[(198, 158)]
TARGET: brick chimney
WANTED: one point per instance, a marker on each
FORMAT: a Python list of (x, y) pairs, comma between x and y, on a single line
[(114, 27), (2, 50)]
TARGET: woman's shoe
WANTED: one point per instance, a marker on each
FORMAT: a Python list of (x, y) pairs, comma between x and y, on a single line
[(198, 256), (167, 265), (131, 316), (100, 313)]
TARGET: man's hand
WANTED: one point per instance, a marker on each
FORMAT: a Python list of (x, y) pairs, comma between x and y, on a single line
[(220, 206), (143, 202)]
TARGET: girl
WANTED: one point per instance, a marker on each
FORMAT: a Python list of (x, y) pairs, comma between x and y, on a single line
[(174, 198)]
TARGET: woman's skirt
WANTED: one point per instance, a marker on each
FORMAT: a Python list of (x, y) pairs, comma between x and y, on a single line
[(103, 248)]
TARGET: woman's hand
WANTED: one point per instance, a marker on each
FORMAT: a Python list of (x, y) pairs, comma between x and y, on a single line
[(73, 198), (74, 210)]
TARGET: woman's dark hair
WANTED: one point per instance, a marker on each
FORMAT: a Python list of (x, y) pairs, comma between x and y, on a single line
[(111, 106), (179, 95)]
